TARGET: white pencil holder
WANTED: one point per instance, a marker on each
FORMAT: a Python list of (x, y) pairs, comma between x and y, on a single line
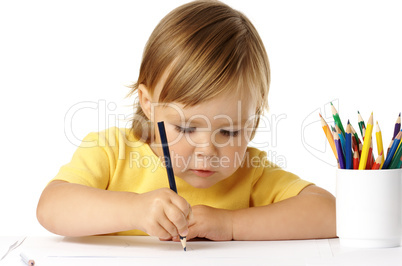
[(369, 208)]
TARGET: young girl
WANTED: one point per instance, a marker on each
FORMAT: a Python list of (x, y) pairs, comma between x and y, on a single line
[(205, 73)]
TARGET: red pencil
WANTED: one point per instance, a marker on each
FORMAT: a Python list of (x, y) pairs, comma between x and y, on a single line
[(370, 160), (378, 162), (355, 160)]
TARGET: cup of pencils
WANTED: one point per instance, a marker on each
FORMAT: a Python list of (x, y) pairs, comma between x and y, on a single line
[(369, 200)]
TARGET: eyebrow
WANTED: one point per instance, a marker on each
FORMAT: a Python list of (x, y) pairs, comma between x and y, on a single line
[(198, 121)]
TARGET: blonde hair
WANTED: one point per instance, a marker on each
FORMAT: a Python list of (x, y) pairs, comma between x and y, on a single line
[(208, 49)]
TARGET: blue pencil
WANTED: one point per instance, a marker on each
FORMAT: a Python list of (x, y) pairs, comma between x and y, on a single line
[(348, 147), (341, 138), (169, 167), (339, 151), (392, 151)]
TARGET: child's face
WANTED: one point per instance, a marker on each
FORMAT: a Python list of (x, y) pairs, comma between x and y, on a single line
[(207, 141)]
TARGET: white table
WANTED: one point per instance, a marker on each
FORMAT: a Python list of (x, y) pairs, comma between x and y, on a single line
[(138, 250)]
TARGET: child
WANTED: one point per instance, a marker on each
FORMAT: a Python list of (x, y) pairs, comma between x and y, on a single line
[(205, 73)]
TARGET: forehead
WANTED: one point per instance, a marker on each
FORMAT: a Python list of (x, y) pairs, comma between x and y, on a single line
[(228, 109)]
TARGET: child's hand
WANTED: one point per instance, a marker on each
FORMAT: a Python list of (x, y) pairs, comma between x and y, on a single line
[(163, 213), (211, 223)]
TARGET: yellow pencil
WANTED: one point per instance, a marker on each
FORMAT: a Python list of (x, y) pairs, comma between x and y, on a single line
[(380, 148), (366, 144)]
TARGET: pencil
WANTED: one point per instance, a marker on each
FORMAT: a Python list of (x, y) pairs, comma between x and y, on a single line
[(359, 143), (337, 119), (392, 151), (169, 168), (27, 260), (348, 148), (396, 158), (341, 138), (356, 160), (400, 163), (370, 156), (329, 136), (366, 144), (399, 144), (360, 122), (380, 148), (377, 163), (339, 151), (397, 126)]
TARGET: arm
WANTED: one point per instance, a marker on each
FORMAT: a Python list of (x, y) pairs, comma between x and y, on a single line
[(76, 210), (311, 214)]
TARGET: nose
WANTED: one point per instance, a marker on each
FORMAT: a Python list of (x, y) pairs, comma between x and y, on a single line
[(204, 146)]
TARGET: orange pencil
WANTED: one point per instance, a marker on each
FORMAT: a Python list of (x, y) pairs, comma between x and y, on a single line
[(355, 160), (378, 162), (329, 136)]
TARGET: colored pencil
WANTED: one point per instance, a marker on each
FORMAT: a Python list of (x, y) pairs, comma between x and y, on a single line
[(339, 151), (389, 146), (398, 153), (337, 119), (377, 163), (397, 127), (359, 143), (360, 122), (341, 138), (380, 148), (348, 148), (169, 168), (329, 136), (366, 144), (355, 160), (400, 163), (392, 151), (399, 144)]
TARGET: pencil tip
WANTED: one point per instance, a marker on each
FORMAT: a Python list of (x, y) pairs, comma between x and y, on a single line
[(320, 114), (358, 112), (185, 248), (331, 103)]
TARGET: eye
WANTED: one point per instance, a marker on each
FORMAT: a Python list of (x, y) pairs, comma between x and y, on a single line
[(228, 133), (185, 129)]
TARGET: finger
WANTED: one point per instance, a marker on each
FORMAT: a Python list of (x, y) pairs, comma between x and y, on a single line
[(178, 219), (190, 216), (156, 229), (182, 204), (168, 226)]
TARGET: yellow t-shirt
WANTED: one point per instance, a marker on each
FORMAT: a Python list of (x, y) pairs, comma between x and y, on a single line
[(115, 160)]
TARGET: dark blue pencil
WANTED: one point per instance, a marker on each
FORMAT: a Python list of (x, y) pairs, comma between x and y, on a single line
[(169, 168), (348, 148)]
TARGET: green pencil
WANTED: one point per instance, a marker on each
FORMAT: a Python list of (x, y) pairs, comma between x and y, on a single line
[(337, 119)]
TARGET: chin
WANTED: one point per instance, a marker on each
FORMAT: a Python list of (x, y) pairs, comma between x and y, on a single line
[(200, 183)]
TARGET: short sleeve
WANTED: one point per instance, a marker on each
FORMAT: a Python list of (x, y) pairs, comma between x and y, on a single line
[(273, 184), (90, 164)]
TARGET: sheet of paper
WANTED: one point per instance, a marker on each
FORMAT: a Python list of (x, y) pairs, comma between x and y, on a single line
[(117, 250), (356, 257)]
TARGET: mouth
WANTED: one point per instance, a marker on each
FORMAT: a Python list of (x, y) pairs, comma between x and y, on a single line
[(202, 173)]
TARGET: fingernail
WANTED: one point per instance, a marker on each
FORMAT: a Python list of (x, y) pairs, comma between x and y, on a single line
[(184, 233)]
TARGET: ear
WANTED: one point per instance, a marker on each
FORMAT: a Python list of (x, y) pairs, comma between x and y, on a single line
[(145, 99)]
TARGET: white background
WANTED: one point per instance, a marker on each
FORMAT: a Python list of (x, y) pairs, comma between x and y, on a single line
[(57, 57)]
